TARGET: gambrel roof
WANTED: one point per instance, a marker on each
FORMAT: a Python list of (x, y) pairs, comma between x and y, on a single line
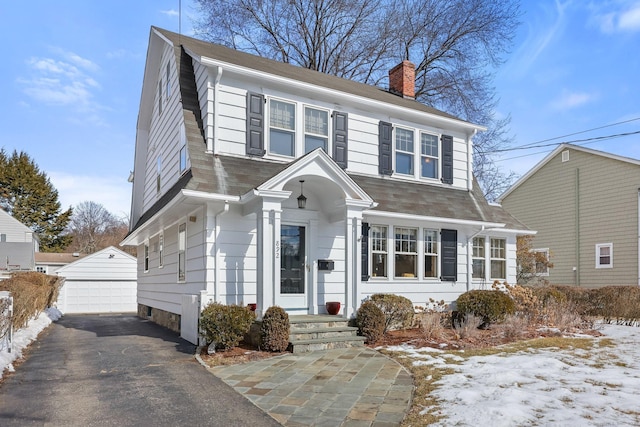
[(237, 176)]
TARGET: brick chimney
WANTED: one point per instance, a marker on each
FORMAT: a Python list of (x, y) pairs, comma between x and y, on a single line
[(402, 80)]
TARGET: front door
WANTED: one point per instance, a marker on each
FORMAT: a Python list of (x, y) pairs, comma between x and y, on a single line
[(292, 292)]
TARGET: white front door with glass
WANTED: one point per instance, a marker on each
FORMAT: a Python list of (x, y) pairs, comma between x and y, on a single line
[(291, 294)]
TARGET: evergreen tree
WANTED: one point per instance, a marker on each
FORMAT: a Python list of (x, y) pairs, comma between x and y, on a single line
[(27, 194)]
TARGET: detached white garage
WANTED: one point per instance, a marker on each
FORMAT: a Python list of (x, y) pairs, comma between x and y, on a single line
[(103, 282)]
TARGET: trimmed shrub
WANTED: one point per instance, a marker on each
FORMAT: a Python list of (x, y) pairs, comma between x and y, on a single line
[(275, 329), (225, 325), (398, 311), (370, 320), (492, 306)]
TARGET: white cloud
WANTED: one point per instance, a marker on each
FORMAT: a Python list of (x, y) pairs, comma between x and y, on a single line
[(63, 80), (568, 100), (170, 12), (112, 192), (613, 17)]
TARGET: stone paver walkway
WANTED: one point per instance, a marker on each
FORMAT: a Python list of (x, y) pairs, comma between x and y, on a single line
[(341, 387)]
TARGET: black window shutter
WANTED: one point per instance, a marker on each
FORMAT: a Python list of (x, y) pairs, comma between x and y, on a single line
[(449, 260), (385, 148), (340, 139), (255, 124), (447, 159), (365, 251)]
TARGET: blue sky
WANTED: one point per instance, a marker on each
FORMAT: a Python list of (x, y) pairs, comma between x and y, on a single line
[(72, 75)]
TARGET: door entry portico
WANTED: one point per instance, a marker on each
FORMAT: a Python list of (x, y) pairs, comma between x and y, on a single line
[(291, 293)]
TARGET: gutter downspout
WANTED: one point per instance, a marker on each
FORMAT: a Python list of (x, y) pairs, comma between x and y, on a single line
[(469, 260), (216, 249), (470, 160)]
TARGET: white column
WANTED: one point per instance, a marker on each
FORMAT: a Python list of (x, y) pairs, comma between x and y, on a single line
[(353, 267), (268, 252)]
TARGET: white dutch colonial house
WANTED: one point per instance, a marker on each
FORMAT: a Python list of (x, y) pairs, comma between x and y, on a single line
[(261, 182)]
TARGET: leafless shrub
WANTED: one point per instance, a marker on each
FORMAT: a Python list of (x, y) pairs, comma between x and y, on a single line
[(562, 315), (513, 327), (468, 326), (432, 324), (32, 293)]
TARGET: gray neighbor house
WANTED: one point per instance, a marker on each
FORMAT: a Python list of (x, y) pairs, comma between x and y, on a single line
[(584, 205)]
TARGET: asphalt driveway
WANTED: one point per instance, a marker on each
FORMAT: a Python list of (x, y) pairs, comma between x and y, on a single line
[(103, 370)]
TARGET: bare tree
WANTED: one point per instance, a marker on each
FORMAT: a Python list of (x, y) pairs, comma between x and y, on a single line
[(94, 228), (455, 44)]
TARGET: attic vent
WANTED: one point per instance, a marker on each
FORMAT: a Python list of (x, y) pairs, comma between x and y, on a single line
[(565, 156)]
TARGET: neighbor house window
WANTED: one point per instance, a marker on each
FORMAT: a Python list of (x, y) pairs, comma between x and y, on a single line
[(478, 258), (430, 253), (429, 156), (404, 151), (282, 119), (498, 259), (316, 129), (182, 246), (406, 251), (146, 257), (542, 261), (161, 250), (379, 251), (604, 255)]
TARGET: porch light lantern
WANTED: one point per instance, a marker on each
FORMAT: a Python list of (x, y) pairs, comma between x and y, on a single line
[(302, 201)]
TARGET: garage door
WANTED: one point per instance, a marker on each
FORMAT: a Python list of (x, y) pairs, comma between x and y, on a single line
[(97, 297)]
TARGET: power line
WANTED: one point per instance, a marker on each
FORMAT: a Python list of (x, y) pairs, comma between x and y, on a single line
[(575, 141)]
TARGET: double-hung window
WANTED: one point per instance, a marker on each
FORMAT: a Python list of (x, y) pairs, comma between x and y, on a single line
[(406, 252), (379, 251), (604, 255), (430, 253), (478, 271), (282, 128), (161, 251), (404, 151), (498, 259), (541, 258), (316, 129), (146, 257), (428, 155), (182, 248)]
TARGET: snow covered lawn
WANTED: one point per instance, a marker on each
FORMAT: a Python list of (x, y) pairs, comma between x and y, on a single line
[(594, 384)]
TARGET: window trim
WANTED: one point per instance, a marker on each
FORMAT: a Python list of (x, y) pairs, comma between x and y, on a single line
[(545, 251), (385, 253), (397, 252), (436, 158), (327, 137), (146, 257), (293, 131), (600, 246), (182, 253), (435, 254), (482, 257), (493, 258), (409, 153)]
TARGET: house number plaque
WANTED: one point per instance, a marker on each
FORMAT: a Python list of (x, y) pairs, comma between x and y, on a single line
[(277, 251)]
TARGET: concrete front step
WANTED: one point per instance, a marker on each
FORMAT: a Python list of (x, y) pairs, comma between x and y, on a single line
[(313, 333)]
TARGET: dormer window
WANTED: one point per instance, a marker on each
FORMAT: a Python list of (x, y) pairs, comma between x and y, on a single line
[(282, 130)]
